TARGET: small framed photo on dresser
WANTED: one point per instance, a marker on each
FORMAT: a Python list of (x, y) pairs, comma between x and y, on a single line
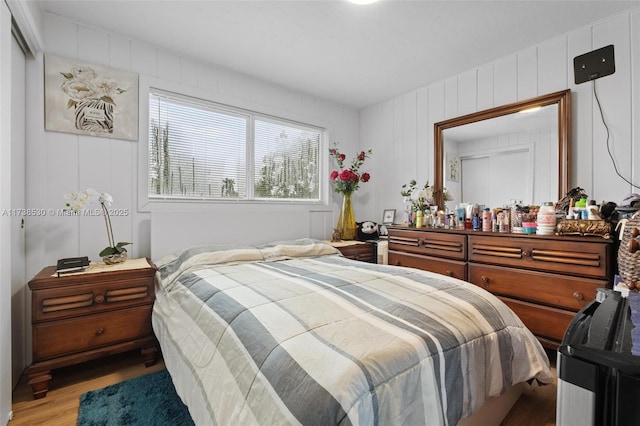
[(388, 216)]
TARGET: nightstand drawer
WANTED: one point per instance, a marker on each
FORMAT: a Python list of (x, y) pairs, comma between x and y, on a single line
[(57, 338), (362, 251), (83, 299)]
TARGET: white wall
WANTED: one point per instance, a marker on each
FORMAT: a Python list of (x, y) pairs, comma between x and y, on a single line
[(60, 162), (400, 130)]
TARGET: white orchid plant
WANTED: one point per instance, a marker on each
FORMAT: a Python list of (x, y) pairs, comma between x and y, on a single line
[(76, 201)]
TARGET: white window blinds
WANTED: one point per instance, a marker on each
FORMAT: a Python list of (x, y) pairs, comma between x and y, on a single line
[(199, 150)]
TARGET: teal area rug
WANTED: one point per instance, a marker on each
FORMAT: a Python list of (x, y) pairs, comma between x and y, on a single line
[(145, 400)]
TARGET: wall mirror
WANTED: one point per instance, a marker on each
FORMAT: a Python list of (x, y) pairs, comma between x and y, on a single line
[(515, 153)]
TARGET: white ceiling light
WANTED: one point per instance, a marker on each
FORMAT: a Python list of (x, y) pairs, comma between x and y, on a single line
[(362, 2), (530, 110)]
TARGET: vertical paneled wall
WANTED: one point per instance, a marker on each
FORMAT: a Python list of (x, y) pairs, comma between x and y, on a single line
[(400, 130), (61, 162)]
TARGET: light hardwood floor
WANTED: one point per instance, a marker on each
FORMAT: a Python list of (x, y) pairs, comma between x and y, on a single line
[(536, 406), (60, 406)]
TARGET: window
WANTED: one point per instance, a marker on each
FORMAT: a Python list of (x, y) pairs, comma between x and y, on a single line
[(200, 150)]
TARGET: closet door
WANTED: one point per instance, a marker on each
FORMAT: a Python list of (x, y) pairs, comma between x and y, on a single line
[(19, 297)]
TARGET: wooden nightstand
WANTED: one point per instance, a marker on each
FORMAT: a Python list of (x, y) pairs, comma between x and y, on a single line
[(83, 316), (364, 251)]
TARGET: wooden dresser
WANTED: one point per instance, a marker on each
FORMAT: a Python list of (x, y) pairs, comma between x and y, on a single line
[(545, 280), (84, 316)]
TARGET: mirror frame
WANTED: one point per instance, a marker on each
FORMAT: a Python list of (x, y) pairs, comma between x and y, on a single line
[(561, 98)]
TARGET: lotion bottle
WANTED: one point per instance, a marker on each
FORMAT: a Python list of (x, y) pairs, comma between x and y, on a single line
[(593, 210), (486, 219)]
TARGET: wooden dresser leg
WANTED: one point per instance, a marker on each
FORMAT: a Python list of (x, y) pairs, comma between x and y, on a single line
[(149, 355), (40, 383)]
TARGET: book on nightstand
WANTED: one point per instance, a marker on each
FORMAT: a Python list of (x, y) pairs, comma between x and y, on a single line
[(72, 264)]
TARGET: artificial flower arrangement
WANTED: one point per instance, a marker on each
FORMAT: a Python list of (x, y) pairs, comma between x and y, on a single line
[(347, 180), (419, 198), (76, 200)]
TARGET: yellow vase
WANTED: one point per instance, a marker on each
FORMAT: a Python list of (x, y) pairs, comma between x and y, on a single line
[(347, 219)]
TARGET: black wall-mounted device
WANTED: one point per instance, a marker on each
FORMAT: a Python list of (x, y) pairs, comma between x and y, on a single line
[(593, 65)]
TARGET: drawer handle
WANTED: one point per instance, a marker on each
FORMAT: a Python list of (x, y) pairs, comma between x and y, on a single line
[(397, 263), (99, 298), (449, 273), (525, 253), (579, 296), (100, 331), (485, 281), (634, 245)]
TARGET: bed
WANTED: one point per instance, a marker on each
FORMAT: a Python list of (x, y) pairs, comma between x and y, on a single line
[(292, 332)]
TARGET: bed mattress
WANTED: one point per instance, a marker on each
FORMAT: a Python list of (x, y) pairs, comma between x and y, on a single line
[(294, 333)]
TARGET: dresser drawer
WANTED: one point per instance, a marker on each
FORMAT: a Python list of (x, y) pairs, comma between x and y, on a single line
[(451, 246), (451, 268), (66, 337), (543, 321), (82, 299), (579, 258), (562, 291)]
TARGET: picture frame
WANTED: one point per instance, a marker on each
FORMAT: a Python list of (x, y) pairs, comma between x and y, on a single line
[(453, 168), (388, 216), (88, 99)]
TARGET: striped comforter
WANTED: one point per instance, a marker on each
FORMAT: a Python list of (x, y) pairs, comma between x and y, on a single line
[(294, 333)]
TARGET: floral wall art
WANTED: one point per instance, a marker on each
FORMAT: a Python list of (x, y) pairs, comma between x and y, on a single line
[(90, 99)]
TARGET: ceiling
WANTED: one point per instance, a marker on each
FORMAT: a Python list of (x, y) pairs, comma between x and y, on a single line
[(332, 49)]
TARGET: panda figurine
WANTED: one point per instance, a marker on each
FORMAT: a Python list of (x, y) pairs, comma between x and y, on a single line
[(367, 230)]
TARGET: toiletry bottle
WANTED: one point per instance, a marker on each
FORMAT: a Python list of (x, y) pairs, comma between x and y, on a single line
[(505, 219), (486, 219), (593, 210), (476, 222), (570, 212), (419, 216), (546, 219)]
